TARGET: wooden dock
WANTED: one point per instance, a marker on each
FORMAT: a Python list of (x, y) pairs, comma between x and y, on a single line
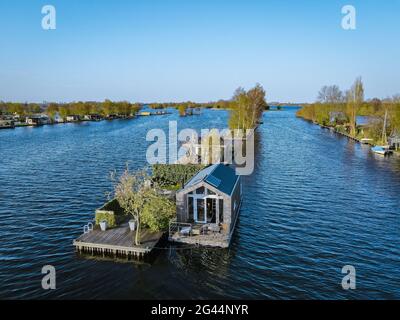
[(348, 136), (338, 132), (118, 242)]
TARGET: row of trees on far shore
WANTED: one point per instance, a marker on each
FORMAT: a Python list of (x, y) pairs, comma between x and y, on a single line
[(340, 109), (105, 108), (240, 103), (246, 107)]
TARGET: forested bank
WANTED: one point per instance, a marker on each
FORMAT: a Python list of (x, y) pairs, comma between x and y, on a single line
[(340, 110)]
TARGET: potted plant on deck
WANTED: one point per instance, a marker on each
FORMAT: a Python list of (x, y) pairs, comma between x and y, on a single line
[(103, 225), (132, 225)]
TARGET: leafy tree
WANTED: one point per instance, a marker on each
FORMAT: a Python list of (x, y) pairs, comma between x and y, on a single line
[(157, 211), (394, 115), (166, 175), (182, 110), (52, 110), (64, 110), (247, 107), (131, 191), (107, 107)]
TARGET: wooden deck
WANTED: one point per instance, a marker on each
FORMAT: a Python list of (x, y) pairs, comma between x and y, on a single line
[(118, 241)]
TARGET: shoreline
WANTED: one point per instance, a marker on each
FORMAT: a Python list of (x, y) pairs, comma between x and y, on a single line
[(360, 141)]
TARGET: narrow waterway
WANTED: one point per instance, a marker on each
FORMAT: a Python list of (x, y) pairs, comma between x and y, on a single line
[(315, 203)]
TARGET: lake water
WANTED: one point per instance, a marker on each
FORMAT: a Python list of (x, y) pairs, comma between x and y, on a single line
[(315, 203)]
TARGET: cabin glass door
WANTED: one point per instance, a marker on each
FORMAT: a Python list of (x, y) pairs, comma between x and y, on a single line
[(211, 210), (200, 211)]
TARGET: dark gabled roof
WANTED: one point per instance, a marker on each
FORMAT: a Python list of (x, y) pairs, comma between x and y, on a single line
[(221, 177)]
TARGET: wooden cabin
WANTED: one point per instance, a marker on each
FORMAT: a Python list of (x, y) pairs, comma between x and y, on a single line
[(394, 141), (73, 118), (37, 120), (7, 124), (208, 207), (337, 117), (92, 117)]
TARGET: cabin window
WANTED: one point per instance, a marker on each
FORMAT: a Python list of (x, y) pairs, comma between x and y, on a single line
[(190, 209), (211, 193), (200, 190), (221, 210)]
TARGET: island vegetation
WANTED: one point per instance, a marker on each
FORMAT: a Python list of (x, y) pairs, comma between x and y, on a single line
[(144, 202), (247, 108), (145, 198), (174, 176), (182, 108)]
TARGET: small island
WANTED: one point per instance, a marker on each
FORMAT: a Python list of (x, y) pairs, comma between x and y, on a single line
[(196, 203)]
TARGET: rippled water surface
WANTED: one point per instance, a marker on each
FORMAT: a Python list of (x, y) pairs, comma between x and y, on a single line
[(315, 203)]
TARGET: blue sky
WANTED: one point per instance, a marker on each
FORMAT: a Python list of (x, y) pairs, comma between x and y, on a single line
[(199, 50)]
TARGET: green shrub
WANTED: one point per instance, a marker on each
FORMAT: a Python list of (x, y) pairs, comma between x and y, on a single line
[(157, 212), (175, 174), (112, 213), (106, 216)]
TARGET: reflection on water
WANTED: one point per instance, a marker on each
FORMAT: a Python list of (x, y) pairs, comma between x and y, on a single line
[(315, 203)]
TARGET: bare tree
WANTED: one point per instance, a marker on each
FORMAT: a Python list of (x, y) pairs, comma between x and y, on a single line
[(355, 98), (330, 94)]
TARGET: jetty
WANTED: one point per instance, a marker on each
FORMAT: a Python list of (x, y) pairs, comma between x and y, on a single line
[(333, 129), (348, 136), (118, 242)]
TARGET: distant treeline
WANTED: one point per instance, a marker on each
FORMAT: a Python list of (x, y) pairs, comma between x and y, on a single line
[(104, 108), (74, 108), (220, 104), (245, 107), (335, 108)]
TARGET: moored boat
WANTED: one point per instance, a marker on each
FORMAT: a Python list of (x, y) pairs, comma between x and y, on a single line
[(366, 141), (381, 150)]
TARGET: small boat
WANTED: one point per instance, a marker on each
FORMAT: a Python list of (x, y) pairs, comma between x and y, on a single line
[(382, 150), (366, 141)]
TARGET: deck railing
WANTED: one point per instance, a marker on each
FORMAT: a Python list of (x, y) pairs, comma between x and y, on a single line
[(177, 227), (184, 229)]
